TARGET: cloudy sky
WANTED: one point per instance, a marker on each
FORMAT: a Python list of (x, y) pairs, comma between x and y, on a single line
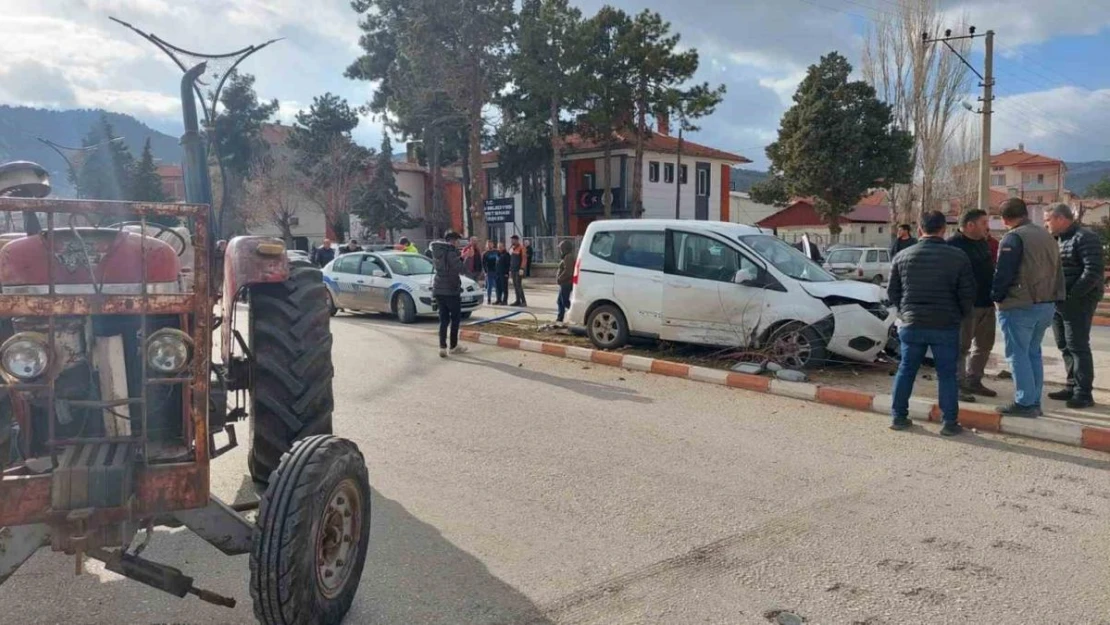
[(1053, 82)]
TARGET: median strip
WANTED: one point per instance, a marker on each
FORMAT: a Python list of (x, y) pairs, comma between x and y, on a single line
[(1045, 428)]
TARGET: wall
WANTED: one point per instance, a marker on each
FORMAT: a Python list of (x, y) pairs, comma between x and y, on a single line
[(862, 234), (743, 210), (1024, 179)]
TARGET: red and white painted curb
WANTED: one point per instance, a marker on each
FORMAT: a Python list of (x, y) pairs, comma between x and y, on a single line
[(1048, 429)]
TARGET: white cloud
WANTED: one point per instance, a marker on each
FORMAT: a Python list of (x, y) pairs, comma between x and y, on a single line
[(1057, 122), (1023, 22)]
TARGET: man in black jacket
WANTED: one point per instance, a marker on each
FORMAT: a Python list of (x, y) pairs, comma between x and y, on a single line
[(978, 328), (905, 240), (447, 289), (323, 254), (932, 285), (1082, 260)]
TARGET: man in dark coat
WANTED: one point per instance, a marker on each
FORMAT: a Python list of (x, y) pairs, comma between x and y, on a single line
[(978, 328), (565, 278), (933, 288), (1082, 260), (904, 240), (323, 254), (447, 289)]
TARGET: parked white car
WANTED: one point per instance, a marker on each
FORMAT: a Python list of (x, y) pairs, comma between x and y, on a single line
[(722, 284), (867, 264), (389, 282)]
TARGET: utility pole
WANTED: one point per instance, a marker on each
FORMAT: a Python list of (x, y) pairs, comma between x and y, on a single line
[(986, 81)]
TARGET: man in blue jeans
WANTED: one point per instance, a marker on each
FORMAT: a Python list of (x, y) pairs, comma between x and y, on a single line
[(933, 288), (1028, 282)]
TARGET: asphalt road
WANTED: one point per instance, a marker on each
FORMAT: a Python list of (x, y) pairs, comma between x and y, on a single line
[(518, 488)]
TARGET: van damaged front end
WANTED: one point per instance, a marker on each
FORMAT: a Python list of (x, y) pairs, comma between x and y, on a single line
[(861, 318)]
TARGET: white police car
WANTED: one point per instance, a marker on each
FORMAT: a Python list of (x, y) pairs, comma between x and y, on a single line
[(398, 283)]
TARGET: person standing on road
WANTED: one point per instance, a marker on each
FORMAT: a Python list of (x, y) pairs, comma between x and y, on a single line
[(447, 289), (1083, 265), (565, 278), (978, 328), (504, 266), (518, 265), (933, 288), (529, 253), (489, 265), (904, 240), (472, 260), (1028, 282), (323, 254)]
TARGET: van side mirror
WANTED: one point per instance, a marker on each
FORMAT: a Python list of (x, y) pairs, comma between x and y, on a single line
[(745, 276), (378, 273)]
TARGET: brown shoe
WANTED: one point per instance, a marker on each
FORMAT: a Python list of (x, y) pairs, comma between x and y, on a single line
[(977, 388)]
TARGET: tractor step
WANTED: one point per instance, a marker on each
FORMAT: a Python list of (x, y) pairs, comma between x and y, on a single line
[(93, 475)]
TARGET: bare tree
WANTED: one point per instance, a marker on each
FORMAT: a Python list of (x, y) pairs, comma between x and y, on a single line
[(274, 194), (924, 84), (339, 170), (958, 178)]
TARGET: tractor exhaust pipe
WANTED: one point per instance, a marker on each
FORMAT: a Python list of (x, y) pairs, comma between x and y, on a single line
[(198, 188)]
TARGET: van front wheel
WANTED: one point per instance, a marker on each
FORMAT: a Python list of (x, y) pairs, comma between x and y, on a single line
[(607, 327), (797, 346)]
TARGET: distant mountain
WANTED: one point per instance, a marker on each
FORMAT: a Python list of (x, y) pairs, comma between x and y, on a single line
[(1080, 176), (743, 179), (21, 126)]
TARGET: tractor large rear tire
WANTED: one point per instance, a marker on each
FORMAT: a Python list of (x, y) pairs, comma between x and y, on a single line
[(312, 535), (290, 338)]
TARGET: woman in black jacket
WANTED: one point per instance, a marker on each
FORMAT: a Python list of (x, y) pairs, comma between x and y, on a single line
[(504, 261)]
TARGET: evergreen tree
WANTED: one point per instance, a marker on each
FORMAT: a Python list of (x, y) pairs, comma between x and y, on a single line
[(381, 204), (105, 172), (838, 142), (146, 184)]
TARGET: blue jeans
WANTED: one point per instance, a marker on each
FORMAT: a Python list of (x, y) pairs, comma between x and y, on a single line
[(1024, 329), (563, 301), (945, 343), (491, 284)]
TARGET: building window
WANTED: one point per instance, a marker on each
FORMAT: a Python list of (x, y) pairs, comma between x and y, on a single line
[(880, 229), (998, 181), (294, 221), (653, 171), (588, 180), (863, 229), (1040, 199), (703, 183), (998, 169), (668, 173), (682, 178), (1040, 178)]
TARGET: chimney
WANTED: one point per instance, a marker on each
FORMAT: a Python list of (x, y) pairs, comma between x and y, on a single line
[(663, 123), (1021, 147), (410, 152)]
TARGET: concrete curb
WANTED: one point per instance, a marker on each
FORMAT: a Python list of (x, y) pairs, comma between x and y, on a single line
[(1047, 429)]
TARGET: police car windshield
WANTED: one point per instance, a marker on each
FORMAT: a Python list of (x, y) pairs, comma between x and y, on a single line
[(409, 265)]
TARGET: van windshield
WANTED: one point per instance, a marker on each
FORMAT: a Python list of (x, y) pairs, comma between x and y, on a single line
[(787, 258)]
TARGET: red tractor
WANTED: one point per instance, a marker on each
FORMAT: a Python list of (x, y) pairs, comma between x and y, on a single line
[(112, 404)]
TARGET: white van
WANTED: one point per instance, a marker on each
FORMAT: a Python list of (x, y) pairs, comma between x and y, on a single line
[(868, 264), (721, 284)]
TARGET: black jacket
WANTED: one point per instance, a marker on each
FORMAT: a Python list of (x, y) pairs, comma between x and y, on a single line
[(982, 266), (504, 263), (449, 267), (931, 284), (489, 261), (900, 245), (1083, 263)]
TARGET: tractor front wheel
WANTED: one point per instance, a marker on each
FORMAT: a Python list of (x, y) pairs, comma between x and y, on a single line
[(290, 340), (312, 534)]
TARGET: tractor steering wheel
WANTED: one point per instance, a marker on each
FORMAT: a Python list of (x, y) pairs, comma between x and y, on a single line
[(161, 228)]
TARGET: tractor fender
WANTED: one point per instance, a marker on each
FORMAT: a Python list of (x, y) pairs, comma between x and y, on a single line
[(245, 264)]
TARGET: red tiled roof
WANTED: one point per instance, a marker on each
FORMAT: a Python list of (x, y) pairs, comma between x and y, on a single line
[(169, 171), (654, 143), (1019, 158), (800, 212)]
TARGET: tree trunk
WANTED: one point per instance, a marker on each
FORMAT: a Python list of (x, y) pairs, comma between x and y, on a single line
[(477, 189), (638, 161), (468, 219), (557, 171), (606, 184), (437, 182)]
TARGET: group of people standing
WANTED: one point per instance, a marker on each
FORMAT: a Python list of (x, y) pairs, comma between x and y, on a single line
[(496, 267), (951, 294)]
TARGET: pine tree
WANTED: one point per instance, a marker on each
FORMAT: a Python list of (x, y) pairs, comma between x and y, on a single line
[(838, 142), (381, 204), (105, 173), (146, 184)]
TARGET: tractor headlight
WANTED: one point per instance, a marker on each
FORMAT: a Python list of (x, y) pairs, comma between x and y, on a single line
[(169, 351), (25, 356)]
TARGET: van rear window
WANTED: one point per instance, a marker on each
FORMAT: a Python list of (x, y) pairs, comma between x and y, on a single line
[(630, 248)]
